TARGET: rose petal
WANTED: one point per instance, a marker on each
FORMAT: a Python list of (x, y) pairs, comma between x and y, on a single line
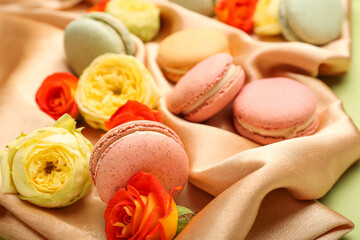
[(131, 111), (143, 211), (55, 96), (170, 219), (99, 7), (151, 215), (119, 196), (146, 183), (136, 220), (237, 13)]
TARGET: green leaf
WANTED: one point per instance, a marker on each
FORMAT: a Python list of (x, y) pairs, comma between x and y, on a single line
[(185, 216)]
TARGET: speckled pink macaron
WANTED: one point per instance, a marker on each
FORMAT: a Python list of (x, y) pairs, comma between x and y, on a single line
[(137, 146), (206, 88), (275, 109)]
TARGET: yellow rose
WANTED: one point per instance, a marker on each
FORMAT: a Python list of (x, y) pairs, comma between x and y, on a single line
[(142, 18), (266, 18), (107, 84), (49, 167)]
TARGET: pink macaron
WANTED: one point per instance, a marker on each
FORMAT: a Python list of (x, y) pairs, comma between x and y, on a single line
[(207, 88), (275, 109), (137, 146)]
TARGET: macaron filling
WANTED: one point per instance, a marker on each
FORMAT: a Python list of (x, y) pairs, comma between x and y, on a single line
[(231, 72), (290, 132)]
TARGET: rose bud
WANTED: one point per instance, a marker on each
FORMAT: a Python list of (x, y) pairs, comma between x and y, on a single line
[(236, 13), (132, 111), (99, 7), (56, 95), (142, 211)]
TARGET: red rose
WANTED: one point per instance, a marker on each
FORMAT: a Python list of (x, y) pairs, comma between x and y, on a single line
[(237, 13), (142, 211), (131, 111), (99, 7), (55, 96)]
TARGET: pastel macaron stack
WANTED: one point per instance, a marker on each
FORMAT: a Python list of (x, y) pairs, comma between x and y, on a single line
[(181, 51), (206, 88), (275, 109), (92, 35), (137, 146)]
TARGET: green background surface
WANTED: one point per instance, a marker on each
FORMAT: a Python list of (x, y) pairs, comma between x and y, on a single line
[(344, 197)]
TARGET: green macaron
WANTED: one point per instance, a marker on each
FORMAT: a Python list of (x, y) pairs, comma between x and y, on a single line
[(312, 21), (92, 35)]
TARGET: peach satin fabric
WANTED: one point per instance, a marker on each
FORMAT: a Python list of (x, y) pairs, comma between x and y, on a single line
[(241, 190)]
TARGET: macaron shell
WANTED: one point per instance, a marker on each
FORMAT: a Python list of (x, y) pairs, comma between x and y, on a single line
[(275, 103), (286, 30), (316, 22), (198, 81), (122, 31), (184, 49), (146, 151), (80, 38), (264, 140), (123, 130), (174, 77), (93, 35), (217, 102)]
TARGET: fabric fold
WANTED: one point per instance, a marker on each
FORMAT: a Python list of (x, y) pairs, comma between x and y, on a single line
[(51, 4)]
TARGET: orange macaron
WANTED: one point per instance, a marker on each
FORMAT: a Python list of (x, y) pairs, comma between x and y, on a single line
[(181, 51)]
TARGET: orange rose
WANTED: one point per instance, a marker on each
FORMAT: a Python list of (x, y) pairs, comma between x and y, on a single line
[(237, 13), (99, 7), (56, 94), (142, 211), (131, 111)]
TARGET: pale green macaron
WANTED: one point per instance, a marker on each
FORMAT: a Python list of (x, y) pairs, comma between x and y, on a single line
[(312, 21), (92, 35)]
